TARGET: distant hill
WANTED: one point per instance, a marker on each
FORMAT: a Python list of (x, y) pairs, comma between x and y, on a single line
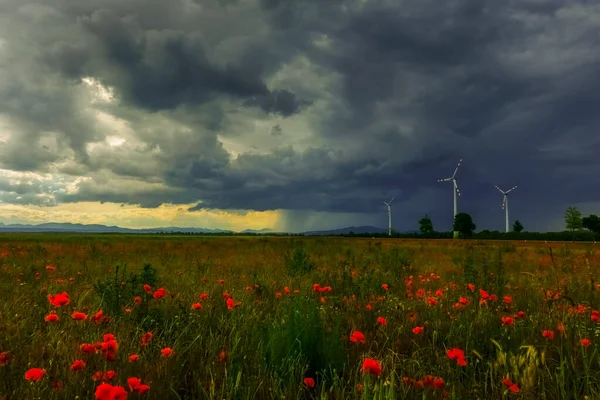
[(258, 231), (345, 231), (95, 228)]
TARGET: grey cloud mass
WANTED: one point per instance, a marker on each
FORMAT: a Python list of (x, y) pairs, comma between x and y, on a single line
[(304, 105)]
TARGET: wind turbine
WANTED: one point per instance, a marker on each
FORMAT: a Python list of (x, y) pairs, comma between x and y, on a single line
[(454, 190), (389, 206), (505, 203)]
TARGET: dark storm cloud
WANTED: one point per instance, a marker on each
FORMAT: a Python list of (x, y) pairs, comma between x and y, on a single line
[(403, 90), (164, 69)]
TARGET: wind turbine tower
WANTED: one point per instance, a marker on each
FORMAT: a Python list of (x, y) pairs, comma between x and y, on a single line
[(505, 204), (455, 191), (389, 207)]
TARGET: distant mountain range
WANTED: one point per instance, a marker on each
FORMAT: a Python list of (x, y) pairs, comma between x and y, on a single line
[(96, 228), (345, 231)]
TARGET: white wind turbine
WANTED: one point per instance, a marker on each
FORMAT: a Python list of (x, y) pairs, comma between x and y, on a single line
[(505, 203), (454, 190), (389, 207)]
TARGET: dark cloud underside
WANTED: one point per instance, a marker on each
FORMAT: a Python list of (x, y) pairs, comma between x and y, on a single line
[(306, 105)]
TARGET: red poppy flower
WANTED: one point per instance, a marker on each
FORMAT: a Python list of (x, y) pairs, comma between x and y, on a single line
[(309, 382), (109, 375), (197, 306), (160, 293), (507, 299), (511, 386), (52, 317), (108, 337), (4, 357), (166, 352), (357, 337), (78, 365), (133, 358), (110, 346), (133, 383), (87, 348), (417, 330), (35, 374), (98, 317), (148, 289), (372, 367), (143, 388), (585, 342), (79, 316), (508, 321), (230, 304), (381, 321), (59, 300), (458, 354), (385, 286), (106, 391), (548, 334), (119, 393), (325, 289), (204, 296), (146, 338)]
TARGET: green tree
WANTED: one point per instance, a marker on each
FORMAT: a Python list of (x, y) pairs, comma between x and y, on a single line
[(591, 223), (463, 223), (573, 219), (518, 226), (425, 225)]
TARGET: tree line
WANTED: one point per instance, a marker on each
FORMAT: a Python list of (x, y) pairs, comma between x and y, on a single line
[(578, 228)]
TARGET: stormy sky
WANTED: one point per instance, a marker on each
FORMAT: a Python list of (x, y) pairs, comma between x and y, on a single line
[(297, 114)]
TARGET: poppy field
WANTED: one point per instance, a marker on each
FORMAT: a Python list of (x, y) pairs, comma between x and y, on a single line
[(176, 317)]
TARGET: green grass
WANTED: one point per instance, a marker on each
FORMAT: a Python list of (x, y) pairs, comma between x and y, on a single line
[(265, 346)]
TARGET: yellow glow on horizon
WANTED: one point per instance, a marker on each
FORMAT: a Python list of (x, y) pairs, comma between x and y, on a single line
[(130, 216)]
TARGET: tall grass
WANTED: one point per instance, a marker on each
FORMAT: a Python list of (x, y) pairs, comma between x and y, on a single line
[(281, 331)]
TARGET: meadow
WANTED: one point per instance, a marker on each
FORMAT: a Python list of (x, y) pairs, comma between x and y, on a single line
[(166, 317)]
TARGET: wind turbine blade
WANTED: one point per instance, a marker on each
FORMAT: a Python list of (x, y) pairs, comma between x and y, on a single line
[(392, 199), (503, 201), (501, 191), (456, 187), (454, 174), (511, 189), (444, 180)]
